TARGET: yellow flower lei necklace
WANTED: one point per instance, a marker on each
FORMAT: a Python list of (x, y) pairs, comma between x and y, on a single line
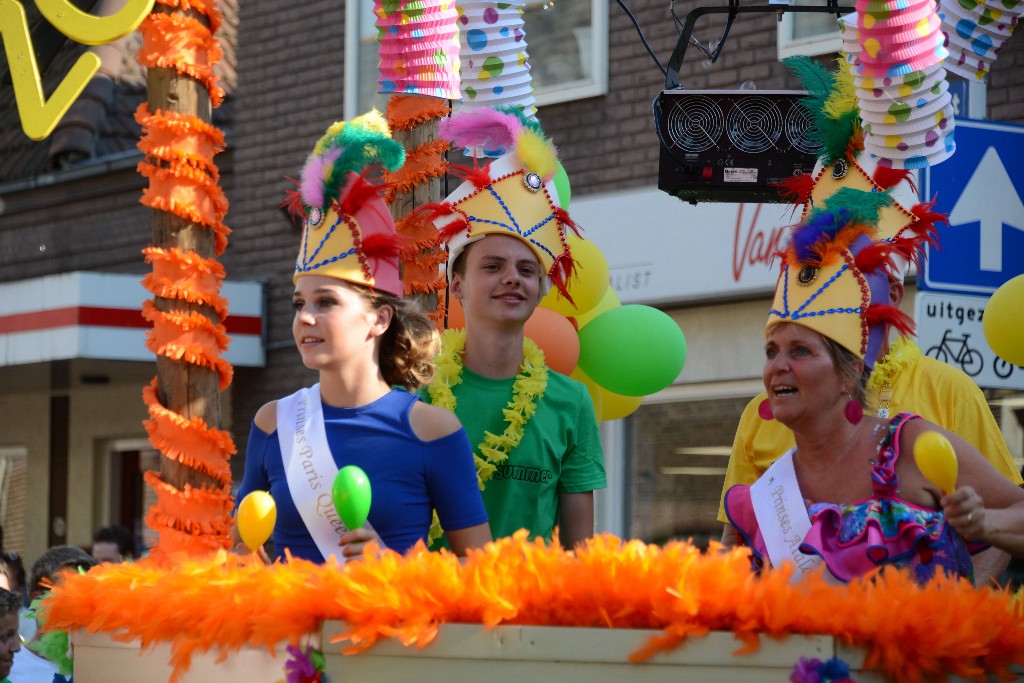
[(903, 352), (527, 389)]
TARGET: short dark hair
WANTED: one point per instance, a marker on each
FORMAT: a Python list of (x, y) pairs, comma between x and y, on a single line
[(12, 567), (116, 533), (459, 264), (10, 602), (50, 563)]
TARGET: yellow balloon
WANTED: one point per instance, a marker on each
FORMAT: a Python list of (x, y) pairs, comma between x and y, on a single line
[(936, 459), (588, 284), (592, 388), (609, 301), (257, 514), (617, 406), (1001, 322)]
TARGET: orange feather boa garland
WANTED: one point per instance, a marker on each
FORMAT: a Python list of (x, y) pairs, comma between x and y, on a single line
[(908, 632), (183, 180)]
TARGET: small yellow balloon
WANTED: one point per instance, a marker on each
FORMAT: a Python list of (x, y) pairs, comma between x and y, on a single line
[(588, 284), (1001, 323), (592, 388), (609, 301), (937, 460), (257, 514)]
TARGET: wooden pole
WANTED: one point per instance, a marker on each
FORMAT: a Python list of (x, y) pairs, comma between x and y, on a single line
[(184, 388)]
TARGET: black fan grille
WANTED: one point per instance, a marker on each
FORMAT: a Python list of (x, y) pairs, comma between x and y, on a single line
[(695, 123), (801, 131), (754, 124)]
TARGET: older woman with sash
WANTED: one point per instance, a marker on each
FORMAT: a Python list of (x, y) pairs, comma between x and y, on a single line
[(352, 326), (850, 496)]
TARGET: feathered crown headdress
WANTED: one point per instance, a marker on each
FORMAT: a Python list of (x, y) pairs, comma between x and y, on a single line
[(905, 221), (348, 232), (512, 195), (860, 224)]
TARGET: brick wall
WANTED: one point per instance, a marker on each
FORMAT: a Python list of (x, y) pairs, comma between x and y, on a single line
[(290, 58)]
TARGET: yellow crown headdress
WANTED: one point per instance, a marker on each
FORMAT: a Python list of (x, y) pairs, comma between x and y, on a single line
[(512, 195), (348, 232), (905, 222)]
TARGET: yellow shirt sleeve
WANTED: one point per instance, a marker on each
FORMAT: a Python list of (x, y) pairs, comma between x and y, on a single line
[(948, 397)]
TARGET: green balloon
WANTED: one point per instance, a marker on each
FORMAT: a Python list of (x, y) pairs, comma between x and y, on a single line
[(632, 350), (561, 181), (351, 495)]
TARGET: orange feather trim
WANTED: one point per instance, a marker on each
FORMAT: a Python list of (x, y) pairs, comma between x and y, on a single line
[(417, 226), (189, 336), (405, 112), (184, 275), (421, 164), (188, 441), (202, 203), (184, 44), (193, 507), (226, 602), (423, 287), (207, 9), (179, 138)]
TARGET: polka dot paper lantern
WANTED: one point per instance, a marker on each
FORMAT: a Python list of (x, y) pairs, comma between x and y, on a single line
[(494, 62), (975, 31), (902, 92)]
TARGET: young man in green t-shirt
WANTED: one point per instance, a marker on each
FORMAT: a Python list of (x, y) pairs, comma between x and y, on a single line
[(534, 431)]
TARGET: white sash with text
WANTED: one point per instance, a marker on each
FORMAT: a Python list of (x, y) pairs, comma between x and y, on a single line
[(782, 516), (310, 467)]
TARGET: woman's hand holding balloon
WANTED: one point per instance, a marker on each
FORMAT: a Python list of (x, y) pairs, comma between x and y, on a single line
[(355, 541), (257, 514), (352, 497), (965, 512)]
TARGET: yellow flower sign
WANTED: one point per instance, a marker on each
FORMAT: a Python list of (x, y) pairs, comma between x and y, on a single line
[(39, 114)]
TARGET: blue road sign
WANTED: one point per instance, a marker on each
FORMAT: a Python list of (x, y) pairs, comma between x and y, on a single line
[(981, 187)]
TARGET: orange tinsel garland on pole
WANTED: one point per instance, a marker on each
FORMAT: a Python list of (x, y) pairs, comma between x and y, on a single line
[(411, 118), (192, 515)]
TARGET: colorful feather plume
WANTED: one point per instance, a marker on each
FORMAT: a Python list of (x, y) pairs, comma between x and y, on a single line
[(831, 103), (348, 147)]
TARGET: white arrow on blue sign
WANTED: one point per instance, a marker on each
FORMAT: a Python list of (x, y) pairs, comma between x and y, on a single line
[(982, 189)]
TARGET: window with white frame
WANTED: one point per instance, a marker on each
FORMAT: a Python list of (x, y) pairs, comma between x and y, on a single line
[(567, 44), (13, 496), (808, 33)]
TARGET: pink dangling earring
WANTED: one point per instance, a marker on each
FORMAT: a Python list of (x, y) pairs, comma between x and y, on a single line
[(853, 410), (764, 410)]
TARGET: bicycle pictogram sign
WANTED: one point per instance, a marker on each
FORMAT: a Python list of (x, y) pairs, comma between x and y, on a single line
[(969, 359)]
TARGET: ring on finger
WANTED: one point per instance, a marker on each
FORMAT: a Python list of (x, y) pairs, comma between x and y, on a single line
[(970, 516)]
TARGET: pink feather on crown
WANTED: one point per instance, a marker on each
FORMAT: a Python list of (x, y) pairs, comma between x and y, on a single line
[(314, 172), (483, 128)]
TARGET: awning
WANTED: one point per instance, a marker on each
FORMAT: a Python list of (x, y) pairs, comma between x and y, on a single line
[(99, 315)]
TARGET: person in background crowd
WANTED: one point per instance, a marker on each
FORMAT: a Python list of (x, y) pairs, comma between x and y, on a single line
[(10, 641), (113, 544), (29, 666)]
